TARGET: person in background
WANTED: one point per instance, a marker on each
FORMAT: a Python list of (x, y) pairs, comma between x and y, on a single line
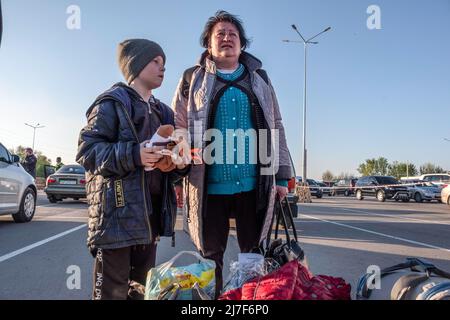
[(29, 163), (59, 164)]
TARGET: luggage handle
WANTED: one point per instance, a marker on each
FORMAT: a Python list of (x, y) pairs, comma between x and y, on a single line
[(412, 263), (281, 217)]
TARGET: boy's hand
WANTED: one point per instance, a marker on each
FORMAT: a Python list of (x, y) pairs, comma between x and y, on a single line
[(149, 156)]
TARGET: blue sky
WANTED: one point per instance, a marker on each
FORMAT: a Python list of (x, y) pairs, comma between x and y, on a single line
[(370, 92)]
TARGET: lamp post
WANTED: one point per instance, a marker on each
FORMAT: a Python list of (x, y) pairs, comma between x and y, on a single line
[(1, 23), (38, 126), (305, 45)]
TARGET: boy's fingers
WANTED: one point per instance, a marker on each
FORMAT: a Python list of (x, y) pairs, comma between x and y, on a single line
[(153, 157)]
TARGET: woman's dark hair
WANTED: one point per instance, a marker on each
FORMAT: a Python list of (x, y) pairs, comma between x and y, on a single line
[(223, 16)]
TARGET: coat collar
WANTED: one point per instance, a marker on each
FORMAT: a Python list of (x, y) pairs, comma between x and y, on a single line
[(248, 60)]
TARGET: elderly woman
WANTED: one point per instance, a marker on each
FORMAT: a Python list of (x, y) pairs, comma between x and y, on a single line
[(229, 100)]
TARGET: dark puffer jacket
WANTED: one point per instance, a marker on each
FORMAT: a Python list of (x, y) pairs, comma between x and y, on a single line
[(119, 201)]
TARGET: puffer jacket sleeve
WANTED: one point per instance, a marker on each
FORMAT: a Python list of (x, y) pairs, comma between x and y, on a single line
[(99, 152), (285, 165), (179, 106)]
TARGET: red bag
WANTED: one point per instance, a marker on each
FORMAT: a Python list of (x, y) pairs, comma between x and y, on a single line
[(293, 281)]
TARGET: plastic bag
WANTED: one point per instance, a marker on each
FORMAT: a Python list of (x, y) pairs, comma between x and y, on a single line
[(192, 282), (248, 266)]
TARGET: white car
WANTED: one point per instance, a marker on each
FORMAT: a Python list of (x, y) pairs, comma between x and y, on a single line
[(445, 195), (17, 188), (436, 178)]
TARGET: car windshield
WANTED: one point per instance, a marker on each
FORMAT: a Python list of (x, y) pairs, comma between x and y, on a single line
[(71, 170), (387, 180)]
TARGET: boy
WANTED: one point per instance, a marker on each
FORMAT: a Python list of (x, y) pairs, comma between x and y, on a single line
[(129, 208)]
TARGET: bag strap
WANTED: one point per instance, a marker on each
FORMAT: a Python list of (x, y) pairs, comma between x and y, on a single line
[(418, 265), (187, 78), (188, 73), (414, 264), (280, 216), (290, 216)]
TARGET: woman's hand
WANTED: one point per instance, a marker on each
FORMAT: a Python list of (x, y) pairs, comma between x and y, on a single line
[(282, 192)]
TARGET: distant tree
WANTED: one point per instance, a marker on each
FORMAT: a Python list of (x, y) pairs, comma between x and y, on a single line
[(430, 168), (327, 176), (374, 166), (399, 169), (345, 176), (42, 160)]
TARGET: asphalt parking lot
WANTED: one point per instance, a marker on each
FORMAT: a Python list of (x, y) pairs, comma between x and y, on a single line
[(340, 235)]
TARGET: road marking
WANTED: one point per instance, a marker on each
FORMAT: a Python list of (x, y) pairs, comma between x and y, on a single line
[(379, 234), (40, 243), (51, 205), (49, 218), (390, 216)]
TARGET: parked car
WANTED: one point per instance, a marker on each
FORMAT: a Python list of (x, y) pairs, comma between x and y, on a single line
[(314, 188), (425, 191), (381, 187), (17, 188), (345, 187), (445, 195), (325, 188), (68, 182), (436, 178)]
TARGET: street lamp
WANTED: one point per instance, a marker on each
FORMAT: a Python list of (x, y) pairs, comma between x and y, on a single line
[(38, 126), (305, 44), (1, 23)]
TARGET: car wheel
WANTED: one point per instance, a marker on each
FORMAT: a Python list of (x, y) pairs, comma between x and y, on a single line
[(359, 195), (346, 193), (319, 196), (76, 199), (27, 207), (405, 200), (52, 199), (448, 201), (380, 196), (418, 197)]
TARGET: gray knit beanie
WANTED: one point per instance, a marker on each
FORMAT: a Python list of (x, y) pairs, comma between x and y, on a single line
[(135, 54)]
